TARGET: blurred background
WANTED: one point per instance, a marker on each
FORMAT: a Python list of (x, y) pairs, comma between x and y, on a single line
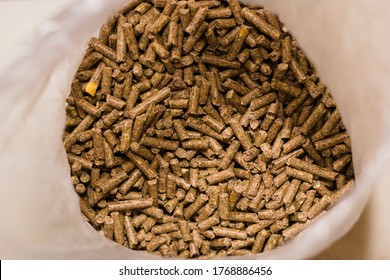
[(368, 239)]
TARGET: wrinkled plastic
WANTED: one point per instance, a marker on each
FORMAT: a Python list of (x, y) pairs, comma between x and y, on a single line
[(40, 216)]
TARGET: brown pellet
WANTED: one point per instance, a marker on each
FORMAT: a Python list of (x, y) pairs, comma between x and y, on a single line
[(195, 206), (285, 87), (261, 24), (230, 233), (260, 240), (199, 129), (114, 181), (312, 168), (194, 38), (219, 61), (331, 141), (313, 153), (130, 204), (241, 135), (313, 119), (160, 143), (157, 98), (103, 49), (299, 174), (294, 229), (238, 43), (197, 20), (293, 144), (143, 165), (318, 207), (108, 227)]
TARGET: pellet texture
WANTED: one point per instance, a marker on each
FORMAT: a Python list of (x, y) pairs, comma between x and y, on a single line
[(199, 129)]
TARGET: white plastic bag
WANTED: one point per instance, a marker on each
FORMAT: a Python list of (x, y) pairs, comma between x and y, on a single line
[(40, 216)]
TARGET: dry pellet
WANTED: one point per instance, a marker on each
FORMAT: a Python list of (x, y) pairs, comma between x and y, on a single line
[(299, 174), (318, 207), (155, 243), (154, 212), (260, 240), (195, 206), (143, 165), (113, 182), (130, 204), (142, 107), (118, 227), (242, 136), (197, 20), (314, 154), (253, 229), (215, 124), (342, 191), (219, 62), (329, 142), (230, 233), (103, 49), (260, 23), (108, 228), (294, 229), (313, 119), (185, 230), (159, 143), (312, 168), (194, 38), (198, 125)]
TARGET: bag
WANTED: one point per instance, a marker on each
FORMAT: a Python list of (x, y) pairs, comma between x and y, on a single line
[(40, 215)]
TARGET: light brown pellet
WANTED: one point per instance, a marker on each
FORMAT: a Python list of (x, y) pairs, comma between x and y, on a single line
[(196, 21), (219, 62), (159, 143), (142, 107), (155, 243), (203, 128), (195, 206), (143, 165), (242, 136), (313, 119), (119, 236), (262, 25), (130, 204), (294, 229), (108, 228), (196, 144), (329, 142), (194, 38), (230, 233), (220, 176), (312, 168), (114, 181), (342, 191), (221, 242), (318, 207), (340, 163), (291, 192), (272, 242), (299, 174), (185, 231), (154, 212), (130, 232), (260, 240), (209, 222)]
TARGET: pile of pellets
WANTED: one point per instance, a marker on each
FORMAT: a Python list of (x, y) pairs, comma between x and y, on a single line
[(199, 129)]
